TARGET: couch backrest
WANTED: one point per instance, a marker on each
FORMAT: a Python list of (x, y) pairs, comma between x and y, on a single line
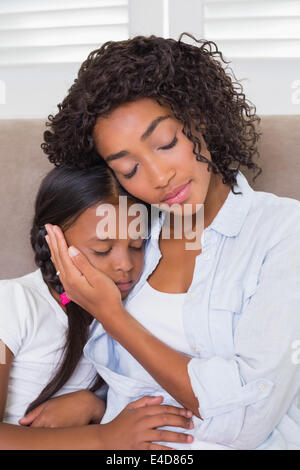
[(23, 164)]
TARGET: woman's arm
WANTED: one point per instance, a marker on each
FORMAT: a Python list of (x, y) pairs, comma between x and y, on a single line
[(167, 366)]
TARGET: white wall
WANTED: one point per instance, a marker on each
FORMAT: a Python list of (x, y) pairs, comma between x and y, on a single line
[(33, 91)]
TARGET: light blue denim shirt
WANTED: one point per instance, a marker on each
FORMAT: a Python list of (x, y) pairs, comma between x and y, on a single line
[(242, 320)]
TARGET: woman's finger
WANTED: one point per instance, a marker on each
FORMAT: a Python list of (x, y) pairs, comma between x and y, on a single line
[(168, 419), (160, 435), (51, 240), (145, 401), (158, 447), (62, 255), (160, 409), (84, 266)]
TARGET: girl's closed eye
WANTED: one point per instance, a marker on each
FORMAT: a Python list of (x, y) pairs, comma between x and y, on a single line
[(138, 248), (102, 253)]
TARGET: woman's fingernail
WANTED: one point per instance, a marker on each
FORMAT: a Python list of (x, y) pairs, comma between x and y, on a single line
[(47, 239), (191, 425), (190, 438), (189, 413), (73, 251)]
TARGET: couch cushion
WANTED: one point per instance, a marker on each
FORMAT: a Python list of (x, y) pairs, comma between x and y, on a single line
[(23, 164)]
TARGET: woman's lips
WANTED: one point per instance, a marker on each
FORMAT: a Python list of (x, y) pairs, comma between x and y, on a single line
[(124, 285), (179, 195)]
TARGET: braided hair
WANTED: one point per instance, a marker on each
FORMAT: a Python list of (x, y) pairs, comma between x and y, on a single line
[(63, 195)]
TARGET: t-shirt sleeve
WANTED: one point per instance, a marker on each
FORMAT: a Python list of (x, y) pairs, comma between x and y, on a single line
[(13, 314)]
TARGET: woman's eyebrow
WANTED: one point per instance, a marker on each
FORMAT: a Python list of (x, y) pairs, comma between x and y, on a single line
[(153, 125), (144, 136)]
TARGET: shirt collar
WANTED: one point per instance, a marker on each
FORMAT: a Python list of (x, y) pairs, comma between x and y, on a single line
[(232, 215), (230, 218)]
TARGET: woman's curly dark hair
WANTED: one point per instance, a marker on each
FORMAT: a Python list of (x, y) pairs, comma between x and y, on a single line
[(189, 78)]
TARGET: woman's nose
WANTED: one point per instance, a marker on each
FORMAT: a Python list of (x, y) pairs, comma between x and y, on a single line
[(160, 174)]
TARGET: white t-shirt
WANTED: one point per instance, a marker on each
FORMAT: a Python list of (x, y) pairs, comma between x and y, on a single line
[(33, 326)]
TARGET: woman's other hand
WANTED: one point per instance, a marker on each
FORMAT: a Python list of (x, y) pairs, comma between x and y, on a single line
[(83, 283), (136, 426)]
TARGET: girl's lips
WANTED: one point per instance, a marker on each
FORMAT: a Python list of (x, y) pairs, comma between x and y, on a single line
[(123, 286), (180, 196)]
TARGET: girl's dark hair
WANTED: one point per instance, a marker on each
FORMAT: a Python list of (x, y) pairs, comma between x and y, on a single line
[(63, 195), (189, 78)]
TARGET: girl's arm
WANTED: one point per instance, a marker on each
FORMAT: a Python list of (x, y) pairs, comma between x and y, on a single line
[(17, 437), (59, 411), (134, 428), (167, 366)]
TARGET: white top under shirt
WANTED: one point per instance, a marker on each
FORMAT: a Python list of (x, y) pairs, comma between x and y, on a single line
[(162, 314), (33, 327)]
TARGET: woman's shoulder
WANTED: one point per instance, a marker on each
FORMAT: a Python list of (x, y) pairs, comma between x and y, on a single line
[(275, 215)]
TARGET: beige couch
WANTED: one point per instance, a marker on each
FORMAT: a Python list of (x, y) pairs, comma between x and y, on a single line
[(23, 164)]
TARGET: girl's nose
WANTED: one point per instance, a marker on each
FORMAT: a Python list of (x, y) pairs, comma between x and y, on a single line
[(123, 263)]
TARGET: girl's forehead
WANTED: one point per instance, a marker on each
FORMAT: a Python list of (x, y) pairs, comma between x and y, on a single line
[(105, 221)]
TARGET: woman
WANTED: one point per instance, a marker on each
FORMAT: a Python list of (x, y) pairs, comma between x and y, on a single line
[(171, 124)]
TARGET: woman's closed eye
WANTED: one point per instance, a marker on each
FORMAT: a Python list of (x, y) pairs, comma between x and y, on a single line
[(166, 147), (170, 145)]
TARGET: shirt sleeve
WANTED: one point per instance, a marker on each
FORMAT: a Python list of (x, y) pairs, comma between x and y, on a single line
[(242, 399), (13, 314)]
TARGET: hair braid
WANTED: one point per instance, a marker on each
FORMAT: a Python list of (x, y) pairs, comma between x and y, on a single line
[(78, 322)]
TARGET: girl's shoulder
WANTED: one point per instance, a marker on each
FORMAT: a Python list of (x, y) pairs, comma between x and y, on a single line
[(26, 306), (27, 286), (24, 298), (18, 302)]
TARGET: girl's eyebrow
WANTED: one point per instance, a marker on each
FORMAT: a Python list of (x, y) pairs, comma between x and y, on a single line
[(97, 239), (144, 136)]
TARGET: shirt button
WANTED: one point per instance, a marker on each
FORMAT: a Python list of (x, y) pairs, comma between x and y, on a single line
[(206, 255), (263, 387), (207, 235)]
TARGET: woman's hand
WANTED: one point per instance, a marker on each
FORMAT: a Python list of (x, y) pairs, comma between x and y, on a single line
[(83, 283), (73, 409), (136, 426)]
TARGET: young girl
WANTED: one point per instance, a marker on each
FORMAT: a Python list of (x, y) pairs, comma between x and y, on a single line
[(175, 128), (44, 334)]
